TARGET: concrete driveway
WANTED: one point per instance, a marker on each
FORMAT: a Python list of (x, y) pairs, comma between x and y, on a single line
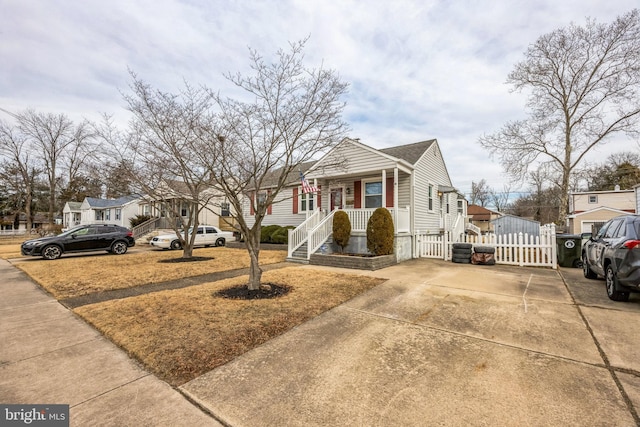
[(444, 344)]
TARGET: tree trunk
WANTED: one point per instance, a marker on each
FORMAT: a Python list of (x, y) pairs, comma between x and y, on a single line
[(255, 272)]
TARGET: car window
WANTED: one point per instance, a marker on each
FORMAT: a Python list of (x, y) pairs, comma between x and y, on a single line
[(612, 230), (211, 230), (83, 232), (621, 231), (200, 231), (105, 230), (603, 230)]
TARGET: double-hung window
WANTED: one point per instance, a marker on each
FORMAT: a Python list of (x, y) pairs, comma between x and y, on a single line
[(306, 201), (373, 194), (430, 196)]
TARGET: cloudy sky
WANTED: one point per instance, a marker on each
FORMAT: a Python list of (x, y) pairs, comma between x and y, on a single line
[(417, 69)]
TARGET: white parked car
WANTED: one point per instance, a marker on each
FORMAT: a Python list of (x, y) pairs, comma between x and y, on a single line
[(206, 235)]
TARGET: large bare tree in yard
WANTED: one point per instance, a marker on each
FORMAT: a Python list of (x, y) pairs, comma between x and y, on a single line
[(584, 84), (292, 115), (165, 154)]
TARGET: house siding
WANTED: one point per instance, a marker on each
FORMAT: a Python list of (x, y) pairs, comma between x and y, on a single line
[(430, 169), (582, 223), (353, 159), (281, 210), (623, 200)]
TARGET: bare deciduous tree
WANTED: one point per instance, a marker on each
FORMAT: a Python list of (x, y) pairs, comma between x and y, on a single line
[(585, 88), (19, 170), (480, 193), (500, 199), (293, 116), (165, 153), (52, 137)]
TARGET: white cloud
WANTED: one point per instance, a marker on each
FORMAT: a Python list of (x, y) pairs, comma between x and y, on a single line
[(418, 69)]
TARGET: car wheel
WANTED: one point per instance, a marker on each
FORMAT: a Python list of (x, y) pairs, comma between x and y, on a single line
[(220, 242), (51, 252), (176, 245), (612, 286), (586, 270), (119, 248)]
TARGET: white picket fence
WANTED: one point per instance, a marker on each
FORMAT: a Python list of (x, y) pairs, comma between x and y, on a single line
[(514, 249)]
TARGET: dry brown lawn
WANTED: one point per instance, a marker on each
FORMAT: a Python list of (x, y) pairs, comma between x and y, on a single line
[(8, 251), (81, 275), (183, 333)]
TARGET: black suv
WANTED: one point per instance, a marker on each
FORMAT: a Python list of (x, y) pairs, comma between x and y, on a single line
[(112, 238), (615, 254)]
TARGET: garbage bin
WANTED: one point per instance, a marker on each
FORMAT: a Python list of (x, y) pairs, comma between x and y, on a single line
[(569, 250)]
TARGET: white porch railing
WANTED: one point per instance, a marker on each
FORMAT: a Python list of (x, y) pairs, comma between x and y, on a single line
[(360, 217), (320, 234), (299, 235), (473, 228)]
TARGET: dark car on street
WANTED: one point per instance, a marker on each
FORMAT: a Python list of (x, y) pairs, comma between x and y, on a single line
[(112, 238), (614, 253)]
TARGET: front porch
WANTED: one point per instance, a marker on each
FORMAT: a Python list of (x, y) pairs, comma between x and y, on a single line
[(317, 229)]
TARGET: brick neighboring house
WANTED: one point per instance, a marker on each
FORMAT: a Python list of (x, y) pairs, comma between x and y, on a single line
[(591, 209), (481, 217)]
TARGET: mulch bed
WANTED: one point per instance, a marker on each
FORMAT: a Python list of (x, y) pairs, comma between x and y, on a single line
[(192, 259), (266, 291)]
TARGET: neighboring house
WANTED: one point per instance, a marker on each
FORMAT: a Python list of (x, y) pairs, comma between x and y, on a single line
[(411, 181), (174, 195), (590, 209), (71, 214), (12, 224), (109, 211), (481, 217), (510, 224)]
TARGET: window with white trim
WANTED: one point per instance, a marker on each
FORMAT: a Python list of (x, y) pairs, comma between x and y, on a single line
[(430, 196), (372, 194), (118, 214), (593, 199), (305, 201), (460, 207)]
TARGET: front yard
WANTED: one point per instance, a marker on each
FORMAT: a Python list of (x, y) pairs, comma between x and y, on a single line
[(179, 334)]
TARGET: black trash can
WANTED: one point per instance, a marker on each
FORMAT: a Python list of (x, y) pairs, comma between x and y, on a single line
[(569, 250)]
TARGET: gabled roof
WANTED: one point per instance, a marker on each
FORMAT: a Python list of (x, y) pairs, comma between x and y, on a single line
[(95, 202), (74, 206), (599, 208), (480, 213), (505, 217), (409, 152)]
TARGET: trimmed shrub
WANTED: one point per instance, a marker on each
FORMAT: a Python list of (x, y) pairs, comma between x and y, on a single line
[(138, 219), (281, 235), (341, 229), (380, 232), (267, 231)]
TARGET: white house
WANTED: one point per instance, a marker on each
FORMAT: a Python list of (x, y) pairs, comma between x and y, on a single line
[(109, 211), (72, 214), (411, 181)]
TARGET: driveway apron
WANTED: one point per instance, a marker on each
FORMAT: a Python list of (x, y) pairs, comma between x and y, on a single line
[(437, 344)]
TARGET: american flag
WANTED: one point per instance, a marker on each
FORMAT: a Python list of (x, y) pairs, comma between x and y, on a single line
[(306, 187)]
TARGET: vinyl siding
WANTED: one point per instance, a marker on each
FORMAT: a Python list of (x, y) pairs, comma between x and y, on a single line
[(430, 169), (623, 200), (352, 159), (281, 210)]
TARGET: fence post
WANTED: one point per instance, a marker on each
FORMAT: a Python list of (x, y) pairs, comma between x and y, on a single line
[(520, 249), (554, 249)]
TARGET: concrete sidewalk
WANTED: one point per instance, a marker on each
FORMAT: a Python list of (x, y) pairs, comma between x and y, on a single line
[(439, 344), (48, 356)]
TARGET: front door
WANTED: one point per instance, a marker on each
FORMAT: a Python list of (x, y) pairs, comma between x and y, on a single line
[(336, 198)]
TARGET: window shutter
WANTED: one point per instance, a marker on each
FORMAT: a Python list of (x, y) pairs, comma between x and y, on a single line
[(390, 190), (357, 194), (295, 200), (319, 196)]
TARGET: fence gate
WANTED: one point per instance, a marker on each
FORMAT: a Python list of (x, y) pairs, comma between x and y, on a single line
[(513, 249)]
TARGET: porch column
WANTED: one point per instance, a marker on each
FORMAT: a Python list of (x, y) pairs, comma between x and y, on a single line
[(395, 199), (384, 188)]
